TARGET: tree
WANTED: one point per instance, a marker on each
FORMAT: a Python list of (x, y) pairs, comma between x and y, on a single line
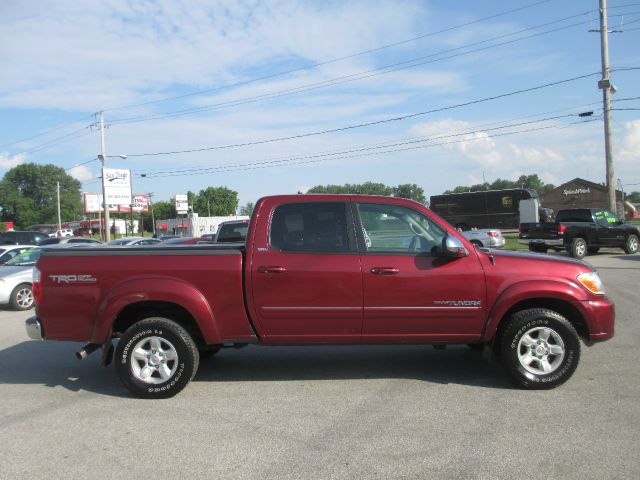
[(523, 181), (247, 209), (633, 197), (219, 201), (410, 191), (164, 210), (28, 195)]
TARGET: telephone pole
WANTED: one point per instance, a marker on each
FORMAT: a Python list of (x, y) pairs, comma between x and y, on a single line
[(103, 158), (607, 89)]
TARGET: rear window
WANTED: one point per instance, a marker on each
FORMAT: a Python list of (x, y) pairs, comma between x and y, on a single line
[(574, 216), (235, 232), (310, 227)]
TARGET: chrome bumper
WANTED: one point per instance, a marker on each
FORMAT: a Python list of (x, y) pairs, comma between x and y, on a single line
[(540, 241), (34, 328)]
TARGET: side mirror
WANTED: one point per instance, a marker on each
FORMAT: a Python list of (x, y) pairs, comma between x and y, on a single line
[(453, 248)]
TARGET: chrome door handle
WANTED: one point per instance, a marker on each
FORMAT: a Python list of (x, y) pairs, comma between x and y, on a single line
[(384, 270), (271, 269)]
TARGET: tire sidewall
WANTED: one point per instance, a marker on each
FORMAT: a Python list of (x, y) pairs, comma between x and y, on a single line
[(181, 341), (14, 297), (627, 246), (574, 248), (540, 318)]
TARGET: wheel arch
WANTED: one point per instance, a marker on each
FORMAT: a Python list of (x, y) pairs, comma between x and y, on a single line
[(135, 299), (563, 299)]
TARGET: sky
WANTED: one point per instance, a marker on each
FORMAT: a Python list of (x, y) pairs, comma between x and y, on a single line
[(274, 97)]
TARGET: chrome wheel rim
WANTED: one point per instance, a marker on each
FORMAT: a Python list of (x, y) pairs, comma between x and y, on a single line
[(541, 351), (154, 360), (633, 244), (24, 298), (581, 248)]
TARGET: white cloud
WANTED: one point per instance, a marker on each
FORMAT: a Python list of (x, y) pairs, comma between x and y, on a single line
[(81, 173), (9, 161)]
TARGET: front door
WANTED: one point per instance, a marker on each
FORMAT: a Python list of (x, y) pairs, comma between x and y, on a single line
[(411, 292), (307, 284)]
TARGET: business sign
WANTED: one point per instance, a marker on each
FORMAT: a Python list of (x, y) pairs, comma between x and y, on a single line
[(117, 186), (182, 204), (93, 204), (577, 191), (140, 204)]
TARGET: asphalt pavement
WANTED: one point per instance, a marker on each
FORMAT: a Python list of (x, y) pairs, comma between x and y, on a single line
[(327, 412)]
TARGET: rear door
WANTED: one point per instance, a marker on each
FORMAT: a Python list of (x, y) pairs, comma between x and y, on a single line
[(412, 293), (306, 281)]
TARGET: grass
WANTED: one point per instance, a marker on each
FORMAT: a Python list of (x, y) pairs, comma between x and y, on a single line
[(512, 242)]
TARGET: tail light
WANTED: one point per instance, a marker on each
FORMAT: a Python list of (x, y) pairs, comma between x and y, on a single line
[(493, 233), (561, 229), (36, 288)]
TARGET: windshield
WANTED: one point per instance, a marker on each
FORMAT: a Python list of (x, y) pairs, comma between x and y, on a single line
[(25, 259)]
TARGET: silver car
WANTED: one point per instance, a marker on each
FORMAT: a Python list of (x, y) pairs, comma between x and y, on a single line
[(486, 237), (16, 276)]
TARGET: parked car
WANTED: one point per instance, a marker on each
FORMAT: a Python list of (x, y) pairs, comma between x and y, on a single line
[(184, 241), (133, 241), (232, 231), (80, 232), (486, 237), (163, 237), (17, 237), (16, 276), (320, 269), (64, 240), (7, 252), (61, 233)]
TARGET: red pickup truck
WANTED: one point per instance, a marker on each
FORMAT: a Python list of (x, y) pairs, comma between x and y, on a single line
[(320, 269)]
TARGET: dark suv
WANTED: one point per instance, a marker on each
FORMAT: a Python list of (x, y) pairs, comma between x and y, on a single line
[(21, 238)]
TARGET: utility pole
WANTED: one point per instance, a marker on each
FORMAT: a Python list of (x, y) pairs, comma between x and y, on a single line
[(59, 217), (103, 158), (607, 89), (153, 218)]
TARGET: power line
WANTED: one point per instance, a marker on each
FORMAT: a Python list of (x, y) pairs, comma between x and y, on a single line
[(368, 124), (45, 132), (335, 60), (406, 64), (315, 159)]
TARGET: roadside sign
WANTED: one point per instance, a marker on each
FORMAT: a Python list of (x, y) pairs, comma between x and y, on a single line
[(182, 204), (117, 186)]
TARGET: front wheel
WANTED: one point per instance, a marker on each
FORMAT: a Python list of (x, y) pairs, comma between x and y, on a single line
[(156, 358), (539, 348), (22, 297), (578, 247), (631, 245)]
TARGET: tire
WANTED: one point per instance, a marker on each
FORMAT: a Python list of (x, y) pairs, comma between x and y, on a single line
[(539, 348), (156, 358), (22, 297), (593, 250), (206, 353), (631, 245), (578, 247)]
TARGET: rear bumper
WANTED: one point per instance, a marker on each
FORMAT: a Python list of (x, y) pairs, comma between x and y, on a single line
[(34, 328), (539, 241)]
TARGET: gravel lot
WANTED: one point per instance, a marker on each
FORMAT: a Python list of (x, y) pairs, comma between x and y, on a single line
[(327, 412)]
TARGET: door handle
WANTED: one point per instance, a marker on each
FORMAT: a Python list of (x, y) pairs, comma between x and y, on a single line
[(384, 270), (271, 269)]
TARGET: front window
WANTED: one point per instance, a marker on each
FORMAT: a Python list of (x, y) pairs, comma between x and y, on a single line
[(396, 229)]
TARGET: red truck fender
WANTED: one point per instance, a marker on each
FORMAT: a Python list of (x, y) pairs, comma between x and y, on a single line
[(522, 291), (162, 289)]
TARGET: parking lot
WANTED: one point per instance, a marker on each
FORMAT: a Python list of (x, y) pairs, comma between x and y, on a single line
[(327, 412)]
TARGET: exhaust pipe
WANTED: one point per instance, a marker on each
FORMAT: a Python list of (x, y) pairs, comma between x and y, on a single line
[(87, 350)]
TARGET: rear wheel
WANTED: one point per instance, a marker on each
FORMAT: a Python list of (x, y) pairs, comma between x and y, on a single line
[(539, 348), (22, 297), (631, 245), (156, 358), (578, 248)]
